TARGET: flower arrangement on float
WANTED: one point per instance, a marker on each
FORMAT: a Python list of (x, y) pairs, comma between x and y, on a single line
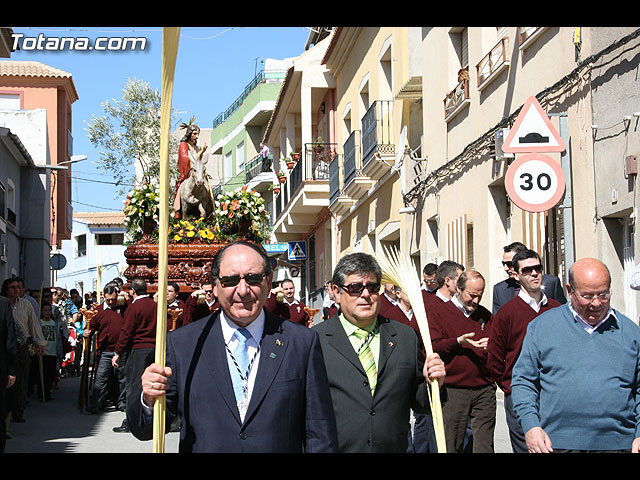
[(238, 213), (192, 231), (141, 206), (241, 212)]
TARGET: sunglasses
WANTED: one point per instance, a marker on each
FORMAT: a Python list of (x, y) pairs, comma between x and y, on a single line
[(358, 288), (507, 264), (252, 279), (528, 270)]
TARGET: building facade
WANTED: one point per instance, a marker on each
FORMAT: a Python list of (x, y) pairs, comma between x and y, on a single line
[(95, 253), (26, 85)]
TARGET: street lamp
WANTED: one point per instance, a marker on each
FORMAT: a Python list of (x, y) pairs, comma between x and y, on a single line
[(63, 165)]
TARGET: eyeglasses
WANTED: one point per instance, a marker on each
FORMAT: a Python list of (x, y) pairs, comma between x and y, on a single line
[(507, 264), (252, 279), (527, 270), (358, 288), (211, 291), (590, 297)]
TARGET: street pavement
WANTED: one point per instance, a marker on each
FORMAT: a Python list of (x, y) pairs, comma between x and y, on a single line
[(58, 426)]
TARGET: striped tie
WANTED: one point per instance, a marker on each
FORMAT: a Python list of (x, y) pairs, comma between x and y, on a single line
[(366, 357)]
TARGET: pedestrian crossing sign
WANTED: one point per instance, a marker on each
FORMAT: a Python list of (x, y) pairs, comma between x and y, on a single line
[(298, 250)]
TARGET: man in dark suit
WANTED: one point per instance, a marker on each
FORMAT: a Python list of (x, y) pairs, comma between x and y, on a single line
[(8, 362), (509, 288), (372, 397), (283, 402)]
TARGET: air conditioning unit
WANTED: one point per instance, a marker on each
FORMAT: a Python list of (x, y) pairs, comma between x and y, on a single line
[(3, 253), (501, 135)]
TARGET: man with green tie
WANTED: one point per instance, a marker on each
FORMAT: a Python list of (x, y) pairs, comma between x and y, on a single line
[(375, 366)]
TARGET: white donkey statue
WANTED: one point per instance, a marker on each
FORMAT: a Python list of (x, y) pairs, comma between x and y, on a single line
[(195, 191)]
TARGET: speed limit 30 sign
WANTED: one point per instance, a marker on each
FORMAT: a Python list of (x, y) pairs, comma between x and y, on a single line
[(535, 182)]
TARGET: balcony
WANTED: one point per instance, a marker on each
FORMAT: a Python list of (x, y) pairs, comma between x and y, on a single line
[(378, 153), (493, 63), (305, 194), (458, 98), (258, 171), (338, 202), (314, 165), (355, 183), (527, 35)]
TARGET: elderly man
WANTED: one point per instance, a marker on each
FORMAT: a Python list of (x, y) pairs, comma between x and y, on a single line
[(459, 333), (575, 384), (242, 379), (376, 367)]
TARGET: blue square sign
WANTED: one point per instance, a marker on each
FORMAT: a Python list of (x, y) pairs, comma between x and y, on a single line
[(298, 250)]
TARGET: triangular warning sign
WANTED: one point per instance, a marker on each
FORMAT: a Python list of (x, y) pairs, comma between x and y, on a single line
[(533, 131)]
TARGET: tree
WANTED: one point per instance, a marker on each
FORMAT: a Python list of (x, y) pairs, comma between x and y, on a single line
[(128, 136)]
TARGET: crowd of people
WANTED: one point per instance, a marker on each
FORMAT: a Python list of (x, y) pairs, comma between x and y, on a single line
[(41, 343), (251, 368)]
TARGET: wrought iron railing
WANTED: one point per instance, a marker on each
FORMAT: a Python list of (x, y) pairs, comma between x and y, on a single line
[(492, 60), (258, 165), (314, 165), (376, 129), (261, 77), (456, 97), (334, 179), (350, 156)]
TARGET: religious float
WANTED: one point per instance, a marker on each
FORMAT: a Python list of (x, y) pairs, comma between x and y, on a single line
[(193, 240)]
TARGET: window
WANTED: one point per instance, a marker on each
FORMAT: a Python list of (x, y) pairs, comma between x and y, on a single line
[(11, 203), (2, 200), (9, 101), (228, 163), (109, 238), (240, 158), (81, 245)]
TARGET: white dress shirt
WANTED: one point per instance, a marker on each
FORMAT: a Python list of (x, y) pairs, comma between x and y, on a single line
[(256, 329), (531, 301)]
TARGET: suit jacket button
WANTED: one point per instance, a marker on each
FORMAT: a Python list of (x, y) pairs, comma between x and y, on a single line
[(243, 436), (372, 412), (365, 383)]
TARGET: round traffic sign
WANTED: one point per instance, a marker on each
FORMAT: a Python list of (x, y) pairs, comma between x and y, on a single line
[(535, 182), (58, 261)]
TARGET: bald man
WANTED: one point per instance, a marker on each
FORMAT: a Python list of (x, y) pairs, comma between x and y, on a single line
[(575, 384), (460, 329)]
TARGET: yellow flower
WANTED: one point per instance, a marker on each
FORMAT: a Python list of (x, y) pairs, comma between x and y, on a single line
[(190, 233), (176, 238)]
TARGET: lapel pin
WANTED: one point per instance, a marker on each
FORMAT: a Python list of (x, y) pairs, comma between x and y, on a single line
[(390, 344), (279, 342), (272, 355)]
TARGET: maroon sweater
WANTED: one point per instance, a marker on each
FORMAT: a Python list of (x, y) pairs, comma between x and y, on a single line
[(507, 333), (107, 325), (466, 367), (139, 326), (297, 313), (394, 312)]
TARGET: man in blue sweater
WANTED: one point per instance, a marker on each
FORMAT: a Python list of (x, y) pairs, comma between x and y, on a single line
[(576, 382)]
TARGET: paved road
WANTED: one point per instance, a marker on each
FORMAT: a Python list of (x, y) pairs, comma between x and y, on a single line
[(59, 427)]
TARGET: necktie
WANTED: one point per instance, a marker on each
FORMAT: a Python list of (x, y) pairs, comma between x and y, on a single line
[(366, 357), (240, 357)]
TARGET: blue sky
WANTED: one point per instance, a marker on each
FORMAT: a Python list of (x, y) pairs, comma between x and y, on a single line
[(213, 66)]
